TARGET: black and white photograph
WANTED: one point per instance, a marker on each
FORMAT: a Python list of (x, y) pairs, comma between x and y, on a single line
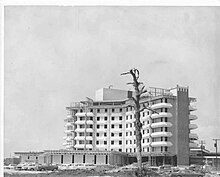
[(110, 90)]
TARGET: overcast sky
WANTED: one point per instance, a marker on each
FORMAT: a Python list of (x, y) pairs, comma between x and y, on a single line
[(57, 55)]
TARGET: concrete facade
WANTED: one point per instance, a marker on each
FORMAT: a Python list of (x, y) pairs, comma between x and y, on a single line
[(182, 128), (111, 94), (76, 157)]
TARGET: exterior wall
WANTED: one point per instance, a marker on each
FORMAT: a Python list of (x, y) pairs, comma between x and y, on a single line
[(78, 158), (12, 160), (101, 159), (29, 158), (56, 159), (173, 129), (89, 158), (111, 94), (182, 126), (67, 159)]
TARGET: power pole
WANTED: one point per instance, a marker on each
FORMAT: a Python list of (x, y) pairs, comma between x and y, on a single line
[(216, 150), (202, 143)]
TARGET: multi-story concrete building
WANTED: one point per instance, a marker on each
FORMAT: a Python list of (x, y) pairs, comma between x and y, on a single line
[(107, 123)]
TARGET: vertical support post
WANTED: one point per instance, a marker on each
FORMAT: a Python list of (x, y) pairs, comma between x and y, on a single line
[(216, 152), (202, 142)]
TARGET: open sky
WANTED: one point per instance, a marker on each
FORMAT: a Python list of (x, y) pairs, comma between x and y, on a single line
[(55, 55)]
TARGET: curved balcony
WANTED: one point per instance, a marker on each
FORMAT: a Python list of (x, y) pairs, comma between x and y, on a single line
[(193, 136), (193, 145), (101, 138), (129, 129), (192, 117), (68, 131), (101, 145), (161, 143), (116, 138), (89, 138), (130, 145), (83, 114), (102, 122), (161, 124), (146, 126), (161, 134), (69, 116), (80, 130), (192, 108), (79, 138), (161, 114), (89, 130), (161, 105), (144, 118), (116, 130), (80, 122), (129, 121), (193, 126), (146, 144), (146, 135), (69, 138), (79, 146), (101, 130), (68, 124), (116, 146), (89, 122), (83, 146), (69, 146), (69, 119), (129, 113), (116, 122), (89, 146)]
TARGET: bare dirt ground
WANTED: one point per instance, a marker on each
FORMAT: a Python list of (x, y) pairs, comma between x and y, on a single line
[(75, 173), (105, 171)]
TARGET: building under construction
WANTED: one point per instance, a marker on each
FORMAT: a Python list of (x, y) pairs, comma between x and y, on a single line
[(107, 124)]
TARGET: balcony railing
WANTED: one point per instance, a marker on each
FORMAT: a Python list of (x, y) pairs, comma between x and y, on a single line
[(161, 143), (116, 130), (161, 114), (68, 131), (161, 134), (146, 144), (193, 145), (193, 136), (101, 129), (146, 135), (192, 117), (116, 121), (102, 122), (101, 138), (83, 114), (116, 137), (193, 126), (68, 124), (161, 124), (161, 105), (192, 108)]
